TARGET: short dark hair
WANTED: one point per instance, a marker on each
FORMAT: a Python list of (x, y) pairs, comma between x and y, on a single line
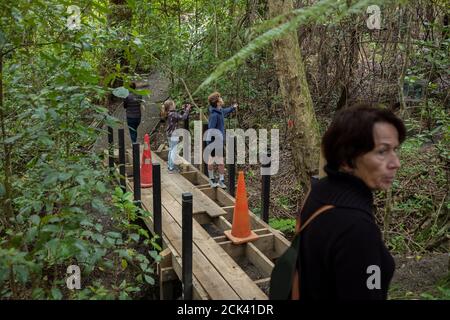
[(351, 133)]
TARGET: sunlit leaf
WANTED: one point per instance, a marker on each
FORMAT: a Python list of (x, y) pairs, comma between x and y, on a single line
[(121, 92)]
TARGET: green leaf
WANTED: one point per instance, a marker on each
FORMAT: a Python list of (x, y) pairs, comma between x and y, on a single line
[(22, 273), (297, 17), (12, 139), (2, 39), (51, 178), (35, 219), (134, 236), (143, 92), (114, 235), (124, 264), (56, 294), (98, 237), (38, 294), (63, 176), (101, 187), (154, 254), (149, 280), (2, 190), (98, 205), (121, 92)]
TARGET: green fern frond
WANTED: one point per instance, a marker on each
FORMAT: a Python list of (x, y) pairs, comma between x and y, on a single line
[(316, 13)]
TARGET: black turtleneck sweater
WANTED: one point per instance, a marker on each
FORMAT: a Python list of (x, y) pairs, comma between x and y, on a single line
[(337, 248)]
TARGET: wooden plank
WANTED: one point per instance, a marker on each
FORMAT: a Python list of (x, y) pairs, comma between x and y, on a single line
[(203, 268), (168, 274), (177, 184), (222, 223), (160, 148), (224, 198), (203, 271), (198, 292), (169, 233), (210, 192), (202, 217), (280, 242), (221, 220), (191, 176), (166, 259), (263, 281), (280, 245), (265, 244), (235, 251), (234, 275), (260, 260), (227, 267)]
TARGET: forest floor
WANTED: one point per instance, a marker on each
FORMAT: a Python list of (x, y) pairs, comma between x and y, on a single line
[(416, 277)]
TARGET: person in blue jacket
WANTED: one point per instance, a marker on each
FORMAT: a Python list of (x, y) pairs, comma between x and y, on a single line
[(216, 120)]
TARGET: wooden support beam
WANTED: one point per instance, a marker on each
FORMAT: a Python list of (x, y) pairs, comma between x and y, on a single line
[(235, 251), (210, 192), (202, 217), (262, 281), (191, 176), (259, 259), (224, 198), (265, 244), (168, 274)]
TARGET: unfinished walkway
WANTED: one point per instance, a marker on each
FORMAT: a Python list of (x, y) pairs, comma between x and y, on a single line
[(220, 269)]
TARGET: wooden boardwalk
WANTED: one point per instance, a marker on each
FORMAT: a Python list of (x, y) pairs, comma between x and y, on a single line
[(217, 271)]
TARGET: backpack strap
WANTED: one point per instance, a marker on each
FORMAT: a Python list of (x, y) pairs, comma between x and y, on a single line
[(295, 293), (299, 227)]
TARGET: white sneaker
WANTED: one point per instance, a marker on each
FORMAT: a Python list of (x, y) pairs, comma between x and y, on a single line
[(212, 183), (221, 184)]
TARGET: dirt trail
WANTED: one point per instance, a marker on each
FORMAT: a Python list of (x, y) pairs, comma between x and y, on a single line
[(415, 275), (158, 86)]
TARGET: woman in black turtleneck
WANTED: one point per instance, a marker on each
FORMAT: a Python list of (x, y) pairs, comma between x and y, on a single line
[(341, 251)]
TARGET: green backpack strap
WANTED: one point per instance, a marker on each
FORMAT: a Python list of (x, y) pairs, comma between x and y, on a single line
[(285, 267)]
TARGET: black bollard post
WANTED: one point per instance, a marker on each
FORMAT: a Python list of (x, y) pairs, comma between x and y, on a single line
[(314, 180), (157, 219), (186, 123), (187, 245), (186, 127), (205, 164), (110, 148), (122, 159), (265, 194), (136, 175), (232, 170)]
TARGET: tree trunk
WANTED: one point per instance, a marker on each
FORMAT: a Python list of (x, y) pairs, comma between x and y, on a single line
[(297, 99), (121, 14), (7, 197), (350, 65)]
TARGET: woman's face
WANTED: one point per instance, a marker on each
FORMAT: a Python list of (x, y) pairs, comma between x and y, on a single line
[(220, 103), (377, 168)]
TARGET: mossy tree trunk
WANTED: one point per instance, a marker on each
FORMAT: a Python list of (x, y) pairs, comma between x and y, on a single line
[(296, 97)]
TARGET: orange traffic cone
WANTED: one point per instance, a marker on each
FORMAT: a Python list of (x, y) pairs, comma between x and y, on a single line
[(240, 231), (146, 166)]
